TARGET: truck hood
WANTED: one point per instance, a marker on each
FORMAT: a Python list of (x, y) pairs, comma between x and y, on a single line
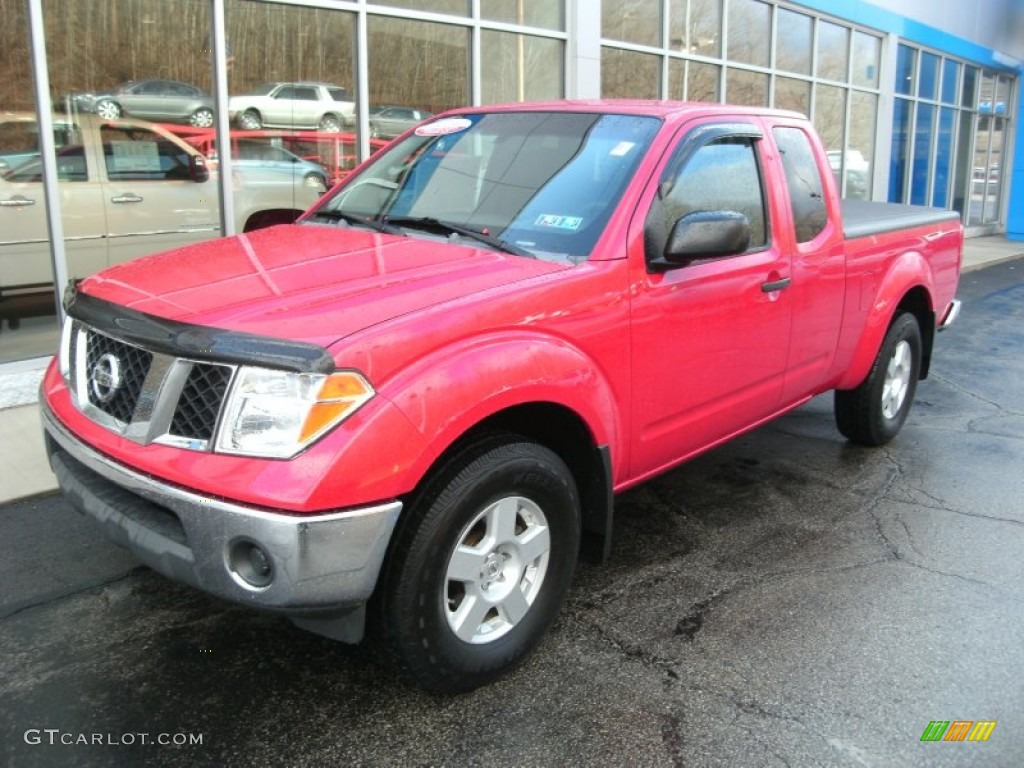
[(307, 283)]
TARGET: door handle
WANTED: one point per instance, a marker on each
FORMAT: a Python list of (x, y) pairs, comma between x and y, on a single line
[(17, 201), (128, 197), (776, 285)]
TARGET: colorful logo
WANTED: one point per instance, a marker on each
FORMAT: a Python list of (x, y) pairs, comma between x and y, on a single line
[(959, 730)]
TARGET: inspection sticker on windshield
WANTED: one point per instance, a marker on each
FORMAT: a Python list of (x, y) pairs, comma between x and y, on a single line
[(622, 149), (444, 127), (571, 223)]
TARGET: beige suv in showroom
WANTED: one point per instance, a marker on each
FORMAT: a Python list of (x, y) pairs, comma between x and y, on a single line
[(128, 188)]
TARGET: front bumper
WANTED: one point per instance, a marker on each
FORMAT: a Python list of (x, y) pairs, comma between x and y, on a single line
[(317, 569)]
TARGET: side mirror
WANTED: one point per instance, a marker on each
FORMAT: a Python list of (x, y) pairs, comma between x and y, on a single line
[(704, 235), (197, 169)]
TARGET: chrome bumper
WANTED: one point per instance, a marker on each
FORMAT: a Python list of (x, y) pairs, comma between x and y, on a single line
[(318, 569)]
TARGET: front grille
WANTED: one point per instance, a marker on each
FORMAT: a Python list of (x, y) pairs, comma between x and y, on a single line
[(145, 396), (199, 405), (132, 367)]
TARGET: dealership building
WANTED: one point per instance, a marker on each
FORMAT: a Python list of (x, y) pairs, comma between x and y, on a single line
[(917, 102)]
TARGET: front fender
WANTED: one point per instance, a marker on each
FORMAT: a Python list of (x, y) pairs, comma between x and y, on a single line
[(882, 297), (447, 393)]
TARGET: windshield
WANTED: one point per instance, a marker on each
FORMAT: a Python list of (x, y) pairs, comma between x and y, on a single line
[(540, 183)]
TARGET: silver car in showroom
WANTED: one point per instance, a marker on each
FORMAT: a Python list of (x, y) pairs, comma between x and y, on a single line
[(156, 100)]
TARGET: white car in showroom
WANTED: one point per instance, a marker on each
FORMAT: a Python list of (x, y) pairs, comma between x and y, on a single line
[(311, 106), (128, 188)]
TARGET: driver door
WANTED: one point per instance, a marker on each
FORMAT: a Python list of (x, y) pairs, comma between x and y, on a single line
[(711, 336)]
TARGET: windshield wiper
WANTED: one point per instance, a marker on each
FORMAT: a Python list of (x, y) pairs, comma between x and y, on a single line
[(356, 220), (447, 227)]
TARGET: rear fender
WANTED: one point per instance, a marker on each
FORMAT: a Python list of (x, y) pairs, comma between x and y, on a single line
[(908, 272)]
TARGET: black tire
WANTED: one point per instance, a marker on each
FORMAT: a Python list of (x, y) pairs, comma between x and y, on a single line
[(428, 619), (874, 412)]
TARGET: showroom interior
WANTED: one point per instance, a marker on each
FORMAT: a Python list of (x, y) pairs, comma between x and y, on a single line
[(113, 112)]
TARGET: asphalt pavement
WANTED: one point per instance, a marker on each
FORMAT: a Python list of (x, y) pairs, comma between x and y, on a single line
[(786, 600)]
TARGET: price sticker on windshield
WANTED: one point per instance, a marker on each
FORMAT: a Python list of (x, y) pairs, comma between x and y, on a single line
[(570, 223)]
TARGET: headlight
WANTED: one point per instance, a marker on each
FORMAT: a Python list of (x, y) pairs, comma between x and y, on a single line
[(275, 414)]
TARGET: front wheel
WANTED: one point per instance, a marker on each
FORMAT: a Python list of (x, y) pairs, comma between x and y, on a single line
[(874, 412), (108, 110), (479, 570)]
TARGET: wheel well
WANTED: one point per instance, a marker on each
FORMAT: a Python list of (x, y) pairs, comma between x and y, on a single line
[(564, 432), (918, 303), (269, 218)]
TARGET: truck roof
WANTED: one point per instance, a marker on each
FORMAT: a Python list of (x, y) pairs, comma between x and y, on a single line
[(663, 108)]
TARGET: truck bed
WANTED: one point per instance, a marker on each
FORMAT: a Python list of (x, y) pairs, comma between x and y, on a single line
[(863, 218)]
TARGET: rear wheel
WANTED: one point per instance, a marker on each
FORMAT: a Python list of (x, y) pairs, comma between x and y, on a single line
[(201, 118), (479, 570), (330, 124), (250, 120), (874, 412)]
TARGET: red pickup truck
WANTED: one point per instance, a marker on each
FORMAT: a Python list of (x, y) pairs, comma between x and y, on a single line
[(410, 411)]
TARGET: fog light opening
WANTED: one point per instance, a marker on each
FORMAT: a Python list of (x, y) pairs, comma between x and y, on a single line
[(250, 564)]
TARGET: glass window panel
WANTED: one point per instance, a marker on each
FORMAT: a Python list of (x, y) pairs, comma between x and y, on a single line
[(632, 21), (793, 42), (282, 58), (750, 24), (830, 115), (677, 25), (28, 308), (968, 88), (1002, 101), (950, 76), (745, 87), (546, 14), (867, 50), (905, 61), (961, 193), (702, 82), (705, 30), (899, 156), (928, 77), (833, 51), (793, 94), (987, 94), (629, 75), (993, 185), (922, 154), (453, 7), (676, 79), (943, 157), (418, 64), (860, 151), (520, 68), (981, 173)]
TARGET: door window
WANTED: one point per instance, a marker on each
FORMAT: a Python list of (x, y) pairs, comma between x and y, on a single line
[(803, 180), (137, 154), (722, 175)]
